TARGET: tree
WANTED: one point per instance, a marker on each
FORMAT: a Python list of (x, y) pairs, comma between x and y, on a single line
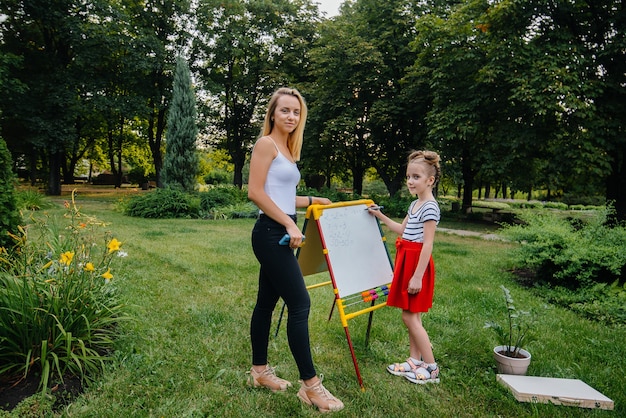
[(181, 157), (45, 35), (9, 214), (337, 135), (395, 120), (242, 52)]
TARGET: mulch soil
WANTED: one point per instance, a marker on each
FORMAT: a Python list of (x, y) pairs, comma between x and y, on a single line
[(13, 390)]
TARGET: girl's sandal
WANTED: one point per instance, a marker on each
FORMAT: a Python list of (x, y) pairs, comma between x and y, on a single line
[(423, 374), (401, 369)]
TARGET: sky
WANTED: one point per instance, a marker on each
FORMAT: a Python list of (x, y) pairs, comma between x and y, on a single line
[(331, 7)]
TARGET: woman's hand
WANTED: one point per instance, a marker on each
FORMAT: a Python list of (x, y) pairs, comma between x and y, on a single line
[(295, 236)]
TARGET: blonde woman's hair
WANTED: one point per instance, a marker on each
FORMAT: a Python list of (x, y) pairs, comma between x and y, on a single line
[(294, 142), (430, 159)]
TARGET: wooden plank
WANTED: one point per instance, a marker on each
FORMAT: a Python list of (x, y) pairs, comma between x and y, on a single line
[(570, 392)]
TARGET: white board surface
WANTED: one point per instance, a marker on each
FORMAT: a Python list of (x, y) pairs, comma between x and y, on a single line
[(358, 257), (572, 392)]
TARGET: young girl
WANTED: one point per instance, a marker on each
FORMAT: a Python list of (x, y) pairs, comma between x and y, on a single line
[(414, 273)]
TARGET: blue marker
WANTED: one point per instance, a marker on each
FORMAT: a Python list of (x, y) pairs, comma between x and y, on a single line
[(286, 238)]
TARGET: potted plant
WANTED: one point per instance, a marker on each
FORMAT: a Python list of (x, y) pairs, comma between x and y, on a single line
[(510, 357)]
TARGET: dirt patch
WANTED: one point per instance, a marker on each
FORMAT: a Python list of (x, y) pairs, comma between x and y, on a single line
[(16, 389)]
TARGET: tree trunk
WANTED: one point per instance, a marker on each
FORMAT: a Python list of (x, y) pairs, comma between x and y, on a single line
[(616, 188), (54, 176), (468, 184)]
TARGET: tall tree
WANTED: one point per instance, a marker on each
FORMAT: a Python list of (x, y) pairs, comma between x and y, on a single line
[(338, 137), (181, 157), (9, 215), (45, 35), (242, 52), (395, 123)]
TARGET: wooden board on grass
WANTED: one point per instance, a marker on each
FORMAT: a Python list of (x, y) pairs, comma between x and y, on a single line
[(571, 392)]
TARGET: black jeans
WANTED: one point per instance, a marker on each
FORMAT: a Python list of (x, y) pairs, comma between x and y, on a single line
[(280, 277)]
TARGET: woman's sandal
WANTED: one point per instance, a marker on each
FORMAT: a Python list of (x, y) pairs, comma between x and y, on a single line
[(400, 369), (423, 374)]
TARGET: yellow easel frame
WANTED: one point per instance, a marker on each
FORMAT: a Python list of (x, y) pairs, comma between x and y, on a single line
[(318, 260)]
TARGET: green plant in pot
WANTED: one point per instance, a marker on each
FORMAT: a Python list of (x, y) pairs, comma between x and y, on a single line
[(511, 357)]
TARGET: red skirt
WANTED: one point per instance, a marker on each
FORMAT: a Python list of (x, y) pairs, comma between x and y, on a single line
[(407, 257)]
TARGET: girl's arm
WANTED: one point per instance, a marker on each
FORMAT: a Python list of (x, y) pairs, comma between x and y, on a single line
[(397, 228), (415, 284)]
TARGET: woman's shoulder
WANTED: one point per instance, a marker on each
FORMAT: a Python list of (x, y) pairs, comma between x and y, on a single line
[(266, 146)]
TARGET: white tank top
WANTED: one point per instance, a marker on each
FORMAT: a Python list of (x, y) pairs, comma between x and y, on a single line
[(281, 183)]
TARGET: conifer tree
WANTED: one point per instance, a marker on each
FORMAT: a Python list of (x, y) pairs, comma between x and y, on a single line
[(9, 214), (180, 166)]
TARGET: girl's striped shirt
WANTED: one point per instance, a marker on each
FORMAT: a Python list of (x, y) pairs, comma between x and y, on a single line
[(428, 211)]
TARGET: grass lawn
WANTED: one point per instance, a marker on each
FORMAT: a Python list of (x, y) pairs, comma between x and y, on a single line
[(190, 288)]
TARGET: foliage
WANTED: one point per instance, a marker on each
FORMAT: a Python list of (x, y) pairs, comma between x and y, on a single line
[(569, 254), (56, 283), (221, 196), (31, 199), (162, 203), (244, 50), (602, 302), (491, 205), (218, 177), (232, 211), (517, 328), (181, 157), (9, 214), (555, 205)]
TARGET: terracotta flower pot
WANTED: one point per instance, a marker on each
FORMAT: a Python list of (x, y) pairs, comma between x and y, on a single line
[(511, 365)]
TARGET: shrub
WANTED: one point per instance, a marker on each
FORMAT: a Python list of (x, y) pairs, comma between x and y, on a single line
[(162, 203), (9, 214), (491, 205), (220, 196), (237, 210), (58, 307), (555, 205), (218, 177), (569, 255), (31, 199)]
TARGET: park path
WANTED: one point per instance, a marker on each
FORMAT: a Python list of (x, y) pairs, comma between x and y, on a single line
[(470, 233)]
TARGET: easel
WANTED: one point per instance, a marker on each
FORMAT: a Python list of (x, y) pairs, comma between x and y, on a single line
[(345, 240)]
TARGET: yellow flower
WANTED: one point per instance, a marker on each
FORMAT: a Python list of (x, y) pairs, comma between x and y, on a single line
[(66, 258), (89, 267), (114, 245), (107, 276)]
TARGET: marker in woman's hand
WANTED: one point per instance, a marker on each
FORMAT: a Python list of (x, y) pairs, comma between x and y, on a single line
[(374, 207), (286, 238)]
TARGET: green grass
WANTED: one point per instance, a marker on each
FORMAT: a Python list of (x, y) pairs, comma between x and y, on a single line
[(190, 286)]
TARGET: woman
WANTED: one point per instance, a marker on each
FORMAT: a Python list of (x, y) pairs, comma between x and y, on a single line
[(274, 177)]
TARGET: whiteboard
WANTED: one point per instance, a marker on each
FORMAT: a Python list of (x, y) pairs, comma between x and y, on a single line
[(355, 248)]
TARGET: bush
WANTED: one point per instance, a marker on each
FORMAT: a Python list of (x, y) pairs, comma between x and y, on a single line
[(31, 199), (237, 210), (218, 177), (220, 196), (58, 309), (564, 254), (555, 205), (162, 203)]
